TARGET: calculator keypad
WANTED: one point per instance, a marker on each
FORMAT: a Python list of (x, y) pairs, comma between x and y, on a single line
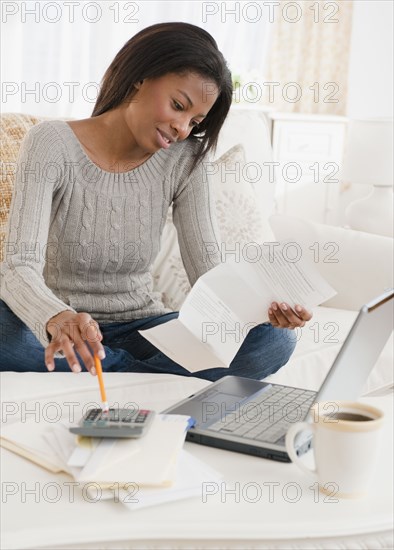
[(97, 417)]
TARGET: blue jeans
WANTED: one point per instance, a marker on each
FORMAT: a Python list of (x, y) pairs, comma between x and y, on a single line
[(263, 352)]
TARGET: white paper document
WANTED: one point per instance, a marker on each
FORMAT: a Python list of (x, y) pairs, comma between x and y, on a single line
[(192, 473), (232, 298)]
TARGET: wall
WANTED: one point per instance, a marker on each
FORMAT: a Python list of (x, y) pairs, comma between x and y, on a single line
[(370, 91), (370, 84)]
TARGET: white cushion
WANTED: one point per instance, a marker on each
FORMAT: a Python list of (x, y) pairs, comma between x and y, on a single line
[(240, 218), (358, 265), (318, 343)]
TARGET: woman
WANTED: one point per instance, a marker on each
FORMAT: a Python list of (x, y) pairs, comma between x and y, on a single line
[(90, 203)]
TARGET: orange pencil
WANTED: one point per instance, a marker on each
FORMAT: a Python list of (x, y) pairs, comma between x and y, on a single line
[(99, 370)]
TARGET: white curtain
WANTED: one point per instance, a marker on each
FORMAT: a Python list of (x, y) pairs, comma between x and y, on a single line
[(54, 53), (313, 53)]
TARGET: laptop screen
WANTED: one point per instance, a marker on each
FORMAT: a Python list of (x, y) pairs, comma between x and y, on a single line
[(360, 351)]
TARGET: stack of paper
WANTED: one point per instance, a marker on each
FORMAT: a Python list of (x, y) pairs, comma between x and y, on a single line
[(27, 439), (136, 472), (191, 475)]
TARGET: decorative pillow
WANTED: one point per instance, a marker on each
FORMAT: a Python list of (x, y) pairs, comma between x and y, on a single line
[(13, 127), (240, 218)]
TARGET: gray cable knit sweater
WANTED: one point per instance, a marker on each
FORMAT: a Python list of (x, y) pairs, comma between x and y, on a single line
[(83, 239)]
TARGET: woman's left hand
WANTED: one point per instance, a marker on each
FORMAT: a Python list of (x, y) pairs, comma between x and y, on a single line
[(281, 315)]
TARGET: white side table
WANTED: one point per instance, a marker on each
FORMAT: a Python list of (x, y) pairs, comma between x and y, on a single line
[(259, 504)]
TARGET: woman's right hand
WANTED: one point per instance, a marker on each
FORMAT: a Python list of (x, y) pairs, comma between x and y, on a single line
[(70, 331)]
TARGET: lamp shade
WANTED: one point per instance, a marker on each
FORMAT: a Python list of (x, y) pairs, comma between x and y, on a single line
[(368, 156)]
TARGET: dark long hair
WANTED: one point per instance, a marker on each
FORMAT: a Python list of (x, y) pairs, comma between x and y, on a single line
[(170, 48)]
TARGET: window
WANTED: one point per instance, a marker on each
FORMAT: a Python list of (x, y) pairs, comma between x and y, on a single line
[(54, 53)]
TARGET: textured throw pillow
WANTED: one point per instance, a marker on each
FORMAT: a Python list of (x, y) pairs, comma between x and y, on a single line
[(13, 127), (240, 218)]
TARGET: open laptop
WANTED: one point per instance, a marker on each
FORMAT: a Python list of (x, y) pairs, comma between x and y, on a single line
[(252, 417)]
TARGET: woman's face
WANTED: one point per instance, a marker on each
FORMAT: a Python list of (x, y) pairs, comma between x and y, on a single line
[(165, 109)]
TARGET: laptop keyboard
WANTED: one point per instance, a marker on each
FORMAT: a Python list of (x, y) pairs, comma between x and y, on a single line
[(267, 416)]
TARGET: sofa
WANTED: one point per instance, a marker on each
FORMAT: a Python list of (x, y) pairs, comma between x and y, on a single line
[(358, 265)]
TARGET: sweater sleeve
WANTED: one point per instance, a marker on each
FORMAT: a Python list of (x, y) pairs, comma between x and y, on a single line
[(195, 217), (40, 172)]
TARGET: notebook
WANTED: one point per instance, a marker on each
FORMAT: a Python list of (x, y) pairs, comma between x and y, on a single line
[(253, 417)]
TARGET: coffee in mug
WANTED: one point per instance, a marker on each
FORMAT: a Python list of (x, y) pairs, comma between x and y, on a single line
[(346, 440)]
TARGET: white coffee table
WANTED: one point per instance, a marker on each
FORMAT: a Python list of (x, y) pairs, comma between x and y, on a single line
[(259, 504)]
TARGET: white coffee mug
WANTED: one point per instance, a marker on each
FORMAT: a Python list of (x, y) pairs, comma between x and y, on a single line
[(346, 440)]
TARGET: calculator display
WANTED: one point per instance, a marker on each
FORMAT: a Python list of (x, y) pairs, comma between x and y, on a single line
[(122, 423)]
